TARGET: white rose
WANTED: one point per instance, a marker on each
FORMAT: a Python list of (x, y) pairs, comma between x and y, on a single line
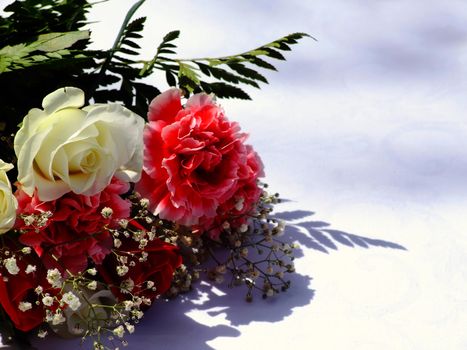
[(65, 148), (8, 203)]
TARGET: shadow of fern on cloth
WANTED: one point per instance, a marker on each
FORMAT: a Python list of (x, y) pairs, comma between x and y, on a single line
[(319, 236), (309, 234)]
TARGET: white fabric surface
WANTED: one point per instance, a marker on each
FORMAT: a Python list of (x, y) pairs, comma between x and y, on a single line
[(367, 129)]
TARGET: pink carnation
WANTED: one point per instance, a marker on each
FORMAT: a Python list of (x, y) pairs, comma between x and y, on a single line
[(75, 231), (195, 160), (235, 210)]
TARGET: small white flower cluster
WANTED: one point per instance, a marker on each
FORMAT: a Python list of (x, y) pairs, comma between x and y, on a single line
[(183, 280), (258, 258), (54, 277), (36, 221), (143, 237), (107, 212), (54, 302), (81, 305), (24, 306), (9, 260), (54, 318), (119, 317), (11, 265), (71, 300)]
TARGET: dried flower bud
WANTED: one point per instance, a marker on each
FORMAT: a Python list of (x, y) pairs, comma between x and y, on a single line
[(107, 212), (11, 266), (26, 250), (24, 306)]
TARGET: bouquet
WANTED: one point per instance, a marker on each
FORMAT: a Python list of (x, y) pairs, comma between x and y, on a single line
[(113, 193)]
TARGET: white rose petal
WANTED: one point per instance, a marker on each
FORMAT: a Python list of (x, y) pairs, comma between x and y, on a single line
[(65, 148), (8, 203)]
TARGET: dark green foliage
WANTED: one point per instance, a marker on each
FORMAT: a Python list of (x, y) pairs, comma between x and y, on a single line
[(23, 89), (29, 18), (120, 65), (223, 90), (30, 68), (221, 75)]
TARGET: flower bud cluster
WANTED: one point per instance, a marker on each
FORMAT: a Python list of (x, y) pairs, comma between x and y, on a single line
[(36, 221), (257, 257)]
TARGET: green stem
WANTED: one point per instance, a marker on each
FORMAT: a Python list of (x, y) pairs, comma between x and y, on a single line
[(116, 44), (229, 57), (149, 65)]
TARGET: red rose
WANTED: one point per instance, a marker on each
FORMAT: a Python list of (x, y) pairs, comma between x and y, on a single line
[(18, 288), (194, 160), (75, 231), (162, 260)]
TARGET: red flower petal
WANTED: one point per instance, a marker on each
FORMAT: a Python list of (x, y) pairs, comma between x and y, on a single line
[(165, 106)]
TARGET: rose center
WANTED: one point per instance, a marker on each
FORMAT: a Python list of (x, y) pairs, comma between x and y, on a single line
[(85, 161), (89, 162)]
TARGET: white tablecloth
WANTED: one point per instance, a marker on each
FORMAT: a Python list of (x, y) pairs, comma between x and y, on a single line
[(366, 128)]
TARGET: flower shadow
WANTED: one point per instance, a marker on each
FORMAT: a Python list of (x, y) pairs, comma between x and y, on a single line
[(213, 311), (169, 325), (166, 326), (238, 312), (310, 234)]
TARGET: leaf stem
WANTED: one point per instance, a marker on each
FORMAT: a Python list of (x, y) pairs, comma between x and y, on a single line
[(237, 56), (116, 44)]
